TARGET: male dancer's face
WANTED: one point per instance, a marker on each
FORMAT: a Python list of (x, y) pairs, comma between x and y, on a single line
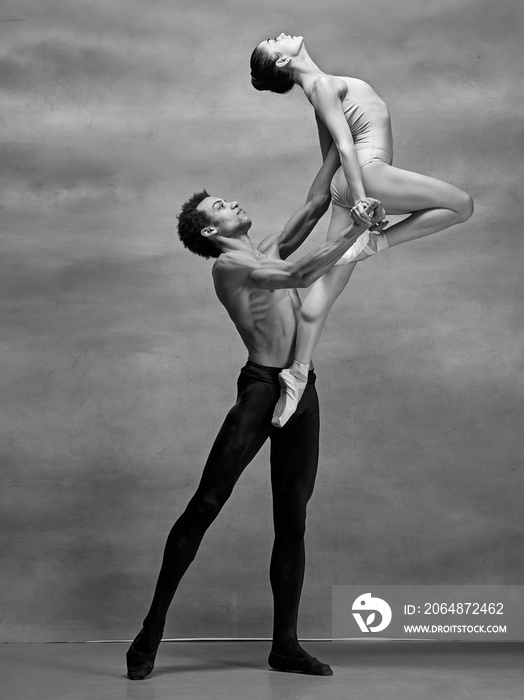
[(226, 217)]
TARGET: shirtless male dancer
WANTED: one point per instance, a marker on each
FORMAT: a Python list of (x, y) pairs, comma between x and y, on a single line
[(258, 288)]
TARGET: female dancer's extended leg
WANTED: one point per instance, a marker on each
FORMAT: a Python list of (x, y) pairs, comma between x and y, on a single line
[(436, 205), (433, 206)]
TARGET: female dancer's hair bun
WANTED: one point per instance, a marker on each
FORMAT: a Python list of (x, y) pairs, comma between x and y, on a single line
[(258, 83), (266, 76)]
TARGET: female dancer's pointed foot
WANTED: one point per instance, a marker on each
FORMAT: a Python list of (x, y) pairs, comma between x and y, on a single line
[(377, 242), (292, 386), (300, 663), (141, 655)]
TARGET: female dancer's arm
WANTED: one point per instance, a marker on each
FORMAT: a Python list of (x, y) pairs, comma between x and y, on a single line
[(325, 96)]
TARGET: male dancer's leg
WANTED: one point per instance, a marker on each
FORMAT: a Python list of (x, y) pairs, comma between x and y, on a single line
[(241, 436), (294, 461)]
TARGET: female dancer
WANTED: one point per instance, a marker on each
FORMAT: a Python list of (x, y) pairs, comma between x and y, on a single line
[(350, 114)]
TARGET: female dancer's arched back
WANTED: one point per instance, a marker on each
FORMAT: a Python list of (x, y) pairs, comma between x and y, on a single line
[(350, 113)]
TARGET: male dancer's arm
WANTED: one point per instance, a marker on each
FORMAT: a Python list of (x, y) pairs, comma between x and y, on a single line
[(240, 268), (305, 219), (324, 137), (272, 273)]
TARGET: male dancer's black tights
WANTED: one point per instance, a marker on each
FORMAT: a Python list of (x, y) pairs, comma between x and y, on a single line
[(294, 459)]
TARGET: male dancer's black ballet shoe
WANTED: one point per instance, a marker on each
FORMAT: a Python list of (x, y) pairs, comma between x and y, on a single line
[(139, 663), (300, 664)]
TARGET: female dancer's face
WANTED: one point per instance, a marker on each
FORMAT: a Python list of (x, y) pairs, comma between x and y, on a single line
[(283, 45)]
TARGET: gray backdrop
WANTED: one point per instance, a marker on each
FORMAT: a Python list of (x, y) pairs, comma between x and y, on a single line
[(118, 363)]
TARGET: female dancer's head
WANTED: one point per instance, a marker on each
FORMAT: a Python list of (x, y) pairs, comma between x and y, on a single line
[(272, 63)]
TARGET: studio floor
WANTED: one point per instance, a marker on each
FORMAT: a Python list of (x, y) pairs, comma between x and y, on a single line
[(238, 671)]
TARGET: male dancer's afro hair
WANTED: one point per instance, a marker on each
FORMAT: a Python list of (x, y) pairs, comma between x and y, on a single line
[(190, 224)]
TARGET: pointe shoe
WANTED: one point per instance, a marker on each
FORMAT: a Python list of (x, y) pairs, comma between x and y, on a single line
[(292, 387), (379, 226), (139, 663), (377, 242), (306, 664)]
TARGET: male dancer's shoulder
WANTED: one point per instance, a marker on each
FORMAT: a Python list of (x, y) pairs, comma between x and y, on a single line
[(233, 266)]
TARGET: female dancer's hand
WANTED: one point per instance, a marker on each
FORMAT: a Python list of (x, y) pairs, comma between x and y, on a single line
[(360, 212), (369, 212), (378, 216)]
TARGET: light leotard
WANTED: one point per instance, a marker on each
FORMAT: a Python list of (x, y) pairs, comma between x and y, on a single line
[(368, 119)]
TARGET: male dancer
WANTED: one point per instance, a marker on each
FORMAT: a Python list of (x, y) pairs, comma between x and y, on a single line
[(257, 286)]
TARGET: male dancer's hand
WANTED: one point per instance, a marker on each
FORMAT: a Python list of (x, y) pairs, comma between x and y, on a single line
[(360, 211), (369, 212), (378, 215)]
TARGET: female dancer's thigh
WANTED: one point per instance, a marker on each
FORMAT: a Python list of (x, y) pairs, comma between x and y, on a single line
[(405, 192), (340, 219)]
